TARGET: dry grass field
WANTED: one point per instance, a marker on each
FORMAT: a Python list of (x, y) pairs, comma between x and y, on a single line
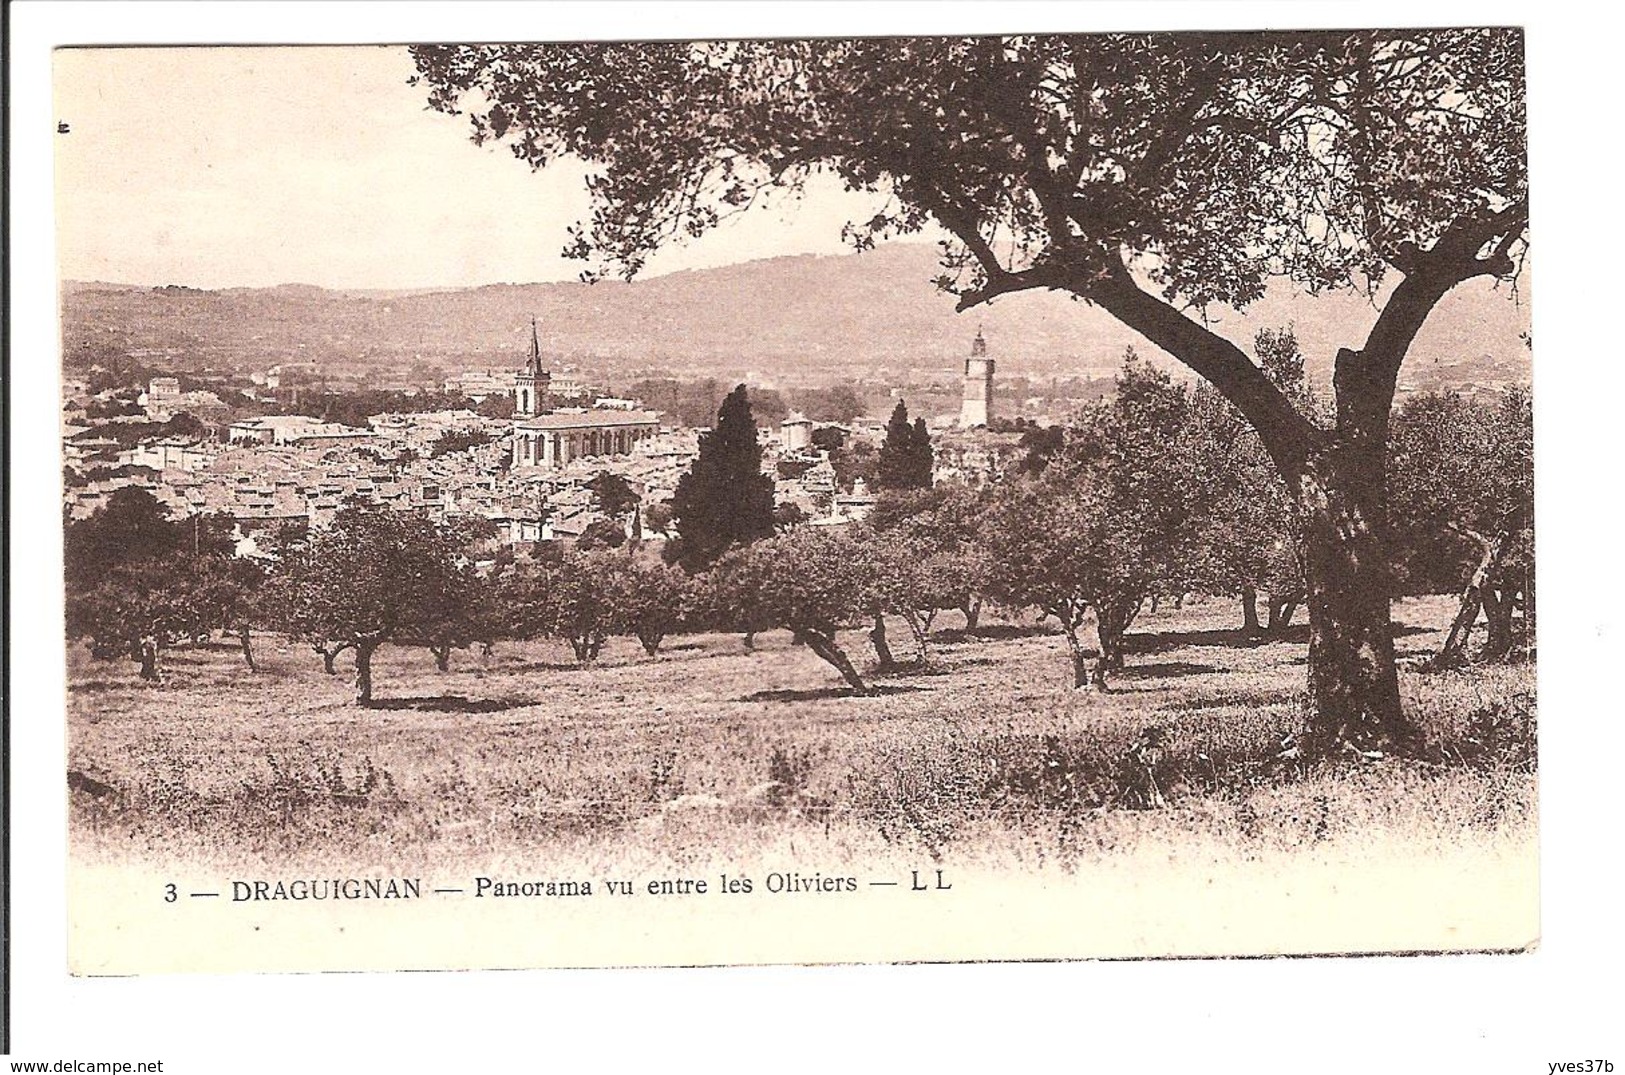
[(707, 753)]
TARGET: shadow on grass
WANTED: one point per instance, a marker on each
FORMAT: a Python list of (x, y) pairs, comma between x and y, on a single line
[(1236, 638), (998, 632), (1229, 638), (1244, 699), (211, 645), (818, 694), (934, 666), (451, 703), (93, 686), (1165, 668), (545, 666)]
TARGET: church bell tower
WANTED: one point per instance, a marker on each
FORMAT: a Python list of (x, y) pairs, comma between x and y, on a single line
[(531, 383), (977, 406)]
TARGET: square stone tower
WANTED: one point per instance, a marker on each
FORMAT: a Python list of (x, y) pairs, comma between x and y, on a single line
[(977, 407)]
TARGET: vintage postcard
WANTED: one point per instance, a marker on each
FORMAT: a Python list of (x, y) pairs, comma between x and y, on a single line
[(804, 500)]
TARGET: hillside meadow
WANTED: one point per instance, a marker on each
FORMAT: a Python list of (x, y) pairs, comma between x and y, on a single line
[(710, 754)]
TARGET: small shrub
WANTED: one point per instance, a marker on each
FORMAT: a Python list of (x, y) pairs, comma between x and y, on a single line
[(1044, 773), (1500, 734), (664, 783), (305, 781), (922, 796), (787, 772)]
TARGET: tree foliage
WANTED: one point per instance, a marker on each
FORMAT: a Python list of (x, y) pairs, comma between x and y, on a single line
[(137, 581), (133, 527), (467, 614), (459, 440), (613, 495), (1042, 556), (352, 407), (658, 517), (1113, 518), (838, 403), (688, 403), (499, 405), (1463, 479), (651, 599), (586, 596), (1251, 541), (938, 537), (581, 600), (602, 534), (376, 576), (1325, 157), (724, 500), (812, 581), (855, 459), (137, 611), (906, 457), (828, 438), (1460, 465)]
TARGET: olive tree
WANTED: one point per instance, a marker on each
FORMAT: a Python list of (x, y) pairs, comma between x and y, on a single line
[(373, 576), (812, 581), (1113, 517), (1463, 474), (137, 581), (651, 599)]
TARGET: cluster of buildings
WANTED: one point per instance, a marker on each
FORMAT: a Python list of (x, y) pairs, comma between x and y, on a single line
[(529, 476), (280, 429)]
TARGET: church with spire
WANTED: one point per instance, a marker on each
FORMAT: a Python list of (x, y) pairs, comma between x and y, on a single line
[(553, 439), (531, 385)]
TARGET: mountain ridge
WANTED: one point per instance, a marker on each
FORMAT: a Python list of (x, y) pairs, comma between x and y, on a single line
[(874, 312)]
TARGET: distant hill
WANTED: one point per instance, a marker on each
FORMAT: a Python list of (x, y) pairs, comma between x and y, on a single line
[(875, 313)]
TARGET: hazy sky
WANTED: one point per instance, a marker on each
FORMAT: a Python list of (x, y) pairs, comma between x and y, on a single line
[(220, 167)]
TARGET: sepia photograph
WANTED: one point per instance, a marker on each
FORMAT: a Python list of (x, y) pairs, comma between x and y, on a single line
[(715, 500), (1142, 502)]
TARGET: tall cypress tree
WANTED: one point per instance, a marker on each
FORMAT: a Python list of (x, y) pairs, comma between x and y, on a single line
[(893, 466), (905, 455), (922, 457), (724, 500)]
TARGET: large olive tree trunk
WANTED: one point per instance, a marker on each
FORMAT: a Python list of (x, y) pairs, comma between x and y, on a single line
[(1337, 476), (1353, 681), (972, 609), (586, 647), (919, 629), (329, 653), (1071, 614), (1499, 602), (1281, 608), (1079, 655), (1337, 473)]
